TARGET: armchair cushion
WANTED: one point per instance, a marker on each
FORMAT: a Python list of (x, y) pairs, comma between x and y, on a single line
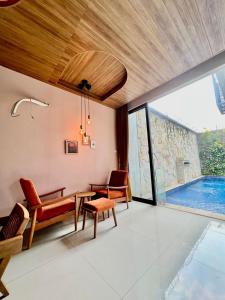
[(29, 192), (56, 209), (113, 194), (12, 225), (118, 178), (99, 205)]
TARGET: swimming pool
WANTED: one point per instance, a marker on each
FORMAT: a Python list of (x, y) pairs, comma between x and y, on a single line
[(206, 193)]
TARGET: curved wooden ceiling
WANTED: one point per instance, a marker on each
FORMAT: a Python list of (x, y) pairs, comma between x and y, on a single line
[(155, 40), (102, 70), (4, 3)]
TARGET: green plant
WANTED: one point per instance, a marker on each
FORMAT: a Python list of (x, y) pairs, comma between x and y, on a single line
[(212, 152)]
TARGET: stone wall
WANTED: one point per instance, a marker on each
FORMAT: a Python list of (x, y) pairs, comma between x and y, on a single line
[(173, 145)]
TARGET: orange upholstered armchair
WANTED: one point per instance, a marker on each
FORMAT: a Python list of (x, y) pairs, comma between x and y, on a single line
[(116, 189), (11, 239), (47, 212)]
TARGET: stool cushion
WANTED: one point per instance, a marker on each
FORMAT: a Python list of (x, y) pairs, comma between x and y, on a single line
[(56, 209), (113, 194), (98, 205)]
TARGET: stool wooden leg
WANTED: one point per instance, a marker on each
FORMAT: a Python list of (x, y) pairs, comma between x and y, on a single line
[(114, 216), (108, 213), (84, 219), (103, 216), (95, 224)]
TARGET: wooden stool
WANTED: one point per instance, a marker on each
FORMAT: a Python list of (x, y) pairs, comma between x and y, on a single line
[(83, 196), (96, 206)]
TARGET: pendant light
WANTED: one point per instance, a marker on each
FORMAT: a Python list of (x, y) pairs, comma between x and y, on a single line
[(85, 118), (81, 115), (84, 106)]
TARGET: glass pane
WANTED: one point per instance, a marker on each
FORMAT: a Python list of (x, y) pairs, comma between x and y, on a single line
[(188, 146), (139, 165)]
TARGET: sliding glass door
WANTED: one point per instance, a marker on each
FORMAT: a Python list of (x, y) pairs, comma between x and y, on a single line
[(140, 162)]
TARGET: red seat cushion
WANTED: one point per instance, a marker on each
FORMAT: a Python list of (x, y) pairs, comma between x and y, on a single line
[(101, 204), (113, 194), (56, 209)]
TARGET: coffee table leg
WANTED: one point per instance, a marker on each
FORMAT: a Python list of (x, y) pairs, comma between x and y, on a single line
[(80, 207)]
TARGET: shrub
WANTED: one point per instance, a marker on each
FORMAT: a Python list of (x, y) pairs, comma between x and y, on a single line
[(212, 152)]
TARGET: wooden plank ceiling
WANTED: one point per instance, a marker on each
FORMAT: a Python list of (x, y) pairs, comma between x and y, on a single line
[(133, 45)]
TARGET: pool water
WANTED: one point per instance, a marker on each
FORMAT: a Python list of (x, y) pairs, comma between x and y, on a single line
[(206, 193)]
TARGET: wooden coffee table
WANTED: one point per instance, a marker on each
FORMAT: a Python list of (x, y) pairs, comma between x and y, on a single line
[(83, 196)]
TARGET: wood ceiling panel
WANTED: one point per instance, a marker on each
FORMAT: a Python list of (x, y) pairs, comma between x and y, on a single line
[(39, 29), (213, 18), (156, 40)]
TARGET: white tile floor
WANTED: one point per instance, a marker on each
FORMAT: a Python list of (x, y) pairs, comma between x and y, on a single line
[(148, 256)]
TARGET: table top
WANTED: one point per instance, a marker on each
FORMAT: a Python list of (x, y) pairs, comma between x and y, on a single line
[(85, 194)]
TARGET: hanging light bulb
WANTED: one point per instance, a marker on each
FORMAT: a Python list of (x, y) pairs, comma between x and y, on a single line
[(81, 130), (89, 120)]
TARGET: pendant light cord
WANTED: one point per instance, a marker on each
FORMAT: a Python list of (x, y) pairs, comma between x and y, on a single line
[(85, 117), (89, 114), (81, 111)]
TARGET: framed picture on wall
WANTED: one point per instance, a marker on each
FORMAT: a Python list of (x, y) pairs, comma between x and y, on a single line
[(71, 147)]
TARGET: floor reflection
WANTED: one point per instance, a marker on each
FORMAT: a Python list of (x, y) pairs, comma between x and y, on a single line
[(202, 275)]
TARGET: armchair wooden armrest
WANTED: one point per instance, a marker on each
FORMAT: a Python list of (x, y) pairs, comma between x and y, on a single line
[(3, 220), (52, 201), (93, 184), (53, 192), (11, 246), (117, 187)]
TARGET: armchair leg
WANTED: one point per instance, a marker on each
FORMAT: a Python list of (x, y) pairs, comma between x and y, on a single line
[(32, 228), (3, 265), (3, 290), (127, 200)]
